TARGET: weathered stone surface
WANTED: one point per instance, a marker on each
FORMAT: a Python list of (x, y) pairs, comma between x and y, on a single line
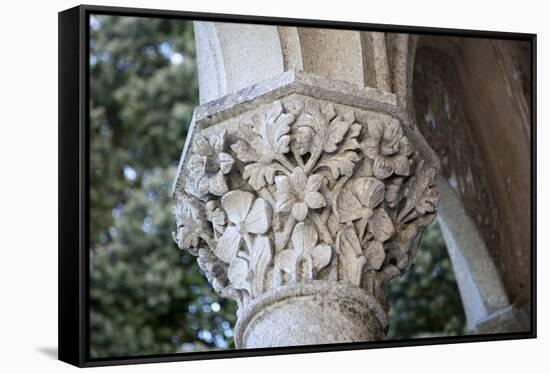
[(300, 191), (227, 63), (317, 312), (333, 54), (472, 107)]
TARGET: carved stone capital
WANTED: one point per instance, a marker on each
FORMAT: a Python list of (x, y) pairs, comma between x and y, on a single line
[(301, 198)]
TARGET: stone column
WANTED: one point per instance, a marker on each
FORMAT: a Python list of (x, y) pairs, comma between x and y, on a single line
[(302, 196)]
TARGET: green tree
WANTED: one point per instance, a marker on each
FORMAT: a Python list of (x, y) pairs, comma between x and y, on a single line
[(143, 89), (425, 301), (146, 296)]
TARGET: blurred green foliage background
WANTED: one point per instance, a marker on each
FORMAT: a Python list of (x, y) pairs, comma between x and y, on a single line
[(147, 296)]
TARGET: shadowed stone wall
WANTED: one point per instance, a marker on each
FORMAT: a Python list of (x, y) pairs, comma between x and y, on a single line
[(472, 105)]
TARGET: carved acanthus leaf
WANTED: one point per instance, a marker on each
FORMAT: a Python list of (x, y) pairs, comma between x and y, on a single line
[(420, 193), (351, 258), (305, 258), (341, 164)]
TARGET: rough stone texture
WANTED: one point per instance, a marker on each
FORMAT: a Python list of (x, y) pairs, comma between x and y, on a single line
[(233, 56), (292, 51), (471, 105), (333, 54), (375, 60), (295, 188)]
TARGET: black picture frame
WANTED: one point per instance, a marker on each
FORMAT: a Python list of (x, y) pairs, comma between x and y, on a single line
[(73, 250)]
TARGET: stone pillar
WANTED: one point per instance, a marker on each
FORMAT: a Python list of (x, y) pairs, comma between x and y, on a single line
[(302, 195)]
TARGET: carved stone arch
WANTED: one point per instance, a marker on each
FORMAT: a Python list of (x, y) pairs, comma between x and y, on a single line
[(465, 109)]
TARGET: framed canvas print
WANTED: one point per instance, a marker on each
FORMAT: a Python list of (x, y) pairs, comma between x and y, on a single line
[(237, 186)]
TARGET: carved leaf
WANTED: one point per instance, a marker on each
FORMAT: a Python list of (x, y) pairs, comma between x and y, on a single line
[(357, 200), (429, 202), (375, 254), (371, 146), (405, 146), (370, 191), (401, 165), (278, 127), (304, 237), (336, 131), (186, 237), (315, 257), (258, 220), (284, 197), (215, 215), (287, 261), (298, 179), (217, 141), (299, 210), (315, 200), (226, 162), (217, 184), (260, 259), (383, 167), (244, 152), (238, 274), (350, 142), (273, 131), (351, 259), (306, 257), (191, 227), (381, 225), (392, 136), (311, 128), (341, 164), (328, 111), (201, 146), (228, 244), (349, 208), (313, 183), (197, 182), (321, 255), (417, 189), (259, 175), (236, 204)]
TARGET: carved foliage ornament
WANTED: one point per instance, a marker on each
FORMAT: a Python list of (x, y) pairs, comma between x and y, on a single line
[(303, 190)]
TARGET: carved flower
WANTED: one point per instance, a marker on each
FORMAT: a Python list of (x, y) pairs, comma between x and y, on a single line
[(298, 193), (361, 201), (388, 148), (207, 166), (306, 257), (246, 218)]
